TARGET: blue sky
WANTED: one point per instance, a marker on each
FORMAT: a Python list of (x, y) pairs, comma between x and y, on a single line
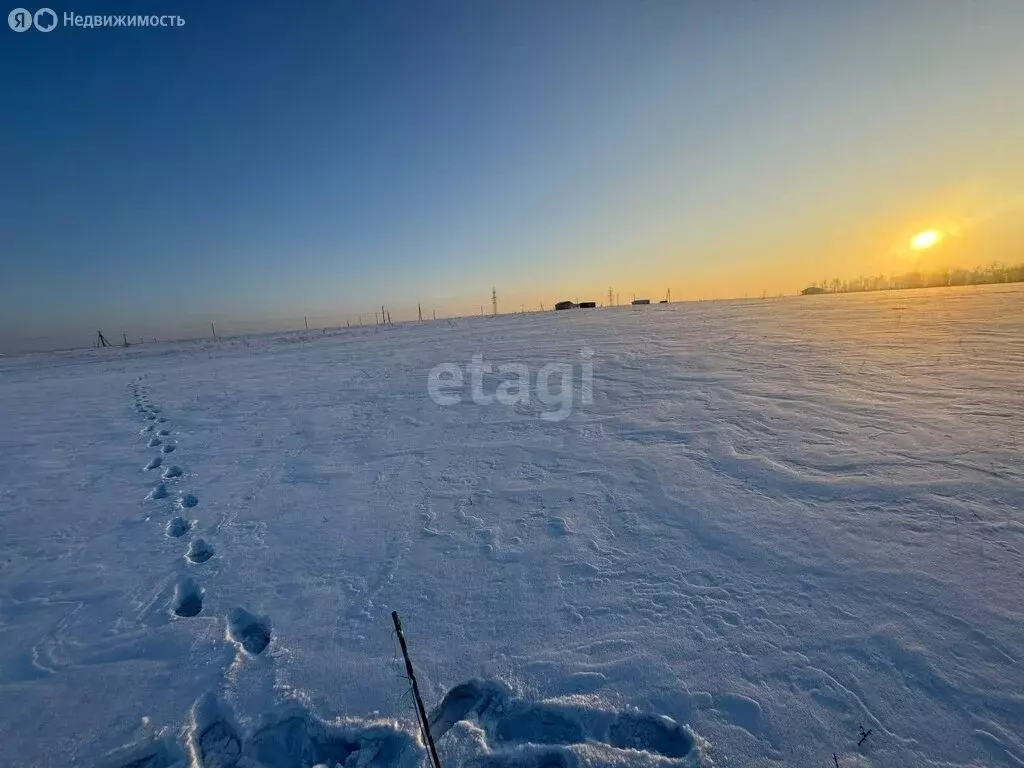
[(267, 161)]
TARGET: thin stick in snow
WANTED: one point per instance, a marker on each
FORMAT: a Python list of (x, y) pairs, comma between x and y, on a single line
[(421, 712), (863, 735)]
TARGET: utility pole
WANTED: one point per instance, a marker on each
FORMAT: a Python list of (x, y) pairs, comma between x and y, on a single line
[(419, 309), (306, 322), (668, 296), (213, 328), (435, 314), (610, 303), (494, 301), (125, 337)]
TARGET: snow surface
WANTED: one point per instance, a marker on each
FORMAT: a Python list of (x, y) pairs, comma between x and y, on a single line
[(777, 523)]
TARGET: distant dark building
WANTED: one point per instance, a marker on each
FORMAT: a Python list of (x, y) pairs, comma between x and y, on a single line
[(663, 301), (812, 291), (588, 304), (564, 305), (641, 301)]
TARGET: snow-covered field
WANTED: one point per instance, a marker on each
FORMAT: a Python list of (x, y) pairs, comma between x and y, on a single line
[(776, 523)]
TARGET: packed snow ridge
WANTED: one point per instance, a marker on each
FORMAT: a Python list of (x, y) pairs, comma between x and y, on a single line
[(510, 731)]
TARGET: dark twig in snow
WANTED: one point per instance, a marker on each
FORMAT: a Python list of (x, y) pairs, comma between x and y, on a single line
[(835, 759), (863, 735), (421, 711)]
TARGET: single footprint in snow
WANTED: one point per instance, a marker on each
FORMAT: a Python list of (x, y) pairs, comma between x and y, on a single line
[(154, 442), (178, 527), (147, 428), (214, 737), (188, 598), (155, 462), (297, 737), (473, 696), (163, 432), (650, 733), (162, 419), (199, 551), (250, 632), (188, 500), (168, 448), (158, 492), (172, 471)]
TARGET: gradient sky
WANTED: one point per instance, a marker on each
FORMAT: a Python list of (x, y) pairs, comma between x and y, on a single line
[(272, 160)]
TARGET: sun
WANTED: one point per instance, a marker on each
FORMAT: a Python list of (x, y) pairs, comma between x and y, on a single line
[(926, 239)]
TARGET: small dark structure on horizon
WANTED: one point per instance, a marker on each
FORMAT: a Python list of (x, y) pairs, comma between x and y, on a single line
[(564, 305), (641, 301), (812, 291), (663, 301), (587, 304)]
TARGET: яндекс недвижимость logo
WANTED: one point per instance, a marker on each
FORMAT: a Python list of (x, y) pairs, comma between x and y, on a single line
[(46, 20), (22, 20)]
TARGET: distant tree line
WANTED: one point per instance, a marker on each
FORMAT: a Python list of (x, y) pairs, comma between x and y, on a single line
[(984, 275)]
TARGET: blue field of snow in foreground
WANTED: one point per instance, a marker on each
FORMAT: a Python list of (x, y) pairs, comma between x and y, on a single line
[(778, 525)]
